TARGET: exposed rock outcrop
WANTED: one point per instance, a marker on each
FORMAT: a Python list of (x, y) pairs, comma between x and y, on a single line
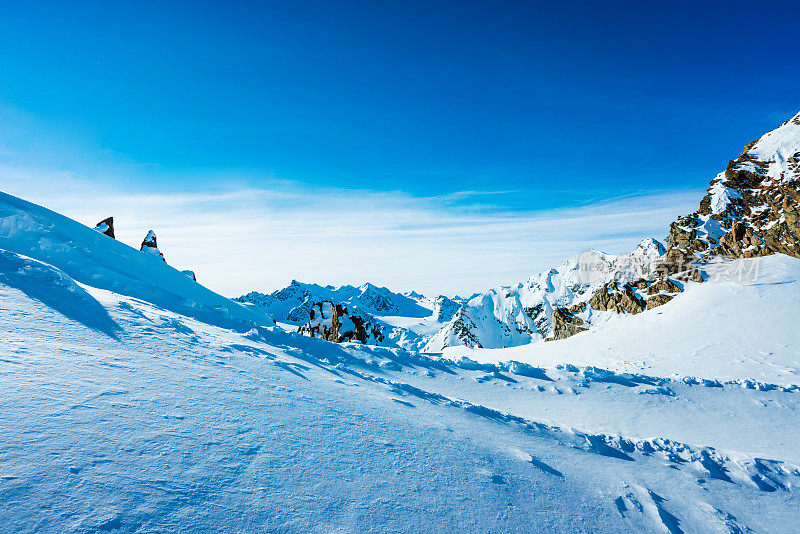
[(751, 209), (332, 322), (150, 245), (106, 227), (566, 323), (617, 297)]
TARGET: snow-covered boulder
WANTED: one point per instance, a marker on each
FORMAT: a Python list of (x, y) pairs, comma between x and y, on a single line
[(332, 322), (106, 227), (150, 245)]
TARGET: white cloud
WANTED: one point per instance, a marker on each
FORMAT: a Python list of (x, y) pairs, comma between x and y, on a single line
[(259, 239)]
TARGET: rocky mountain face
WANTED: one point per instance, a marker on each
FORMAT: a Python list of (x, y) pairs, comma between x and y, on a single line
[(333, 322), (150, 245), (750, 209), (616, 297)]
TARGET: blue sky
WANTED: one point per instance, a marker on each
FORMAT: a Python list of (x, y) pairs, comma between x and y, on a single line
[(510, 108)]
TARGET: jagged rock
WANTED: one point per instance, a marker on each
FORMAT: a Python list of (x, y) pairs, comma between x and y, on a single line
[(751, 209), (150, 245), (332, 322), (661, 292), (665, 285), (658, 300), (617, 297), (106, 227), (566, 323)]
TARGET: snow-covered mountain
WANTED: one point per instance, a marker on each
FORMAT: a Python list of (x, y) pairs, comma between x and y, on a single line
[(136, 400), (750, 209), (403, 320), (293, 303), (510, 316)]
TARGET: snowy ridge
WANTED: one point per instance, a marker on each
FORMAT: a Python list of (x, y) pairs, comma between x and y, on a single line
[(293, 303), (775, 155), (94, 259)]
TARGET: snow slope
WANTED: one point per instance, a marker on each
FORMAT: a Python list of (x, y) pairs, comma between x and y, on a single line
[(738, 325), (121, 414), (178, 423), (92, 258)]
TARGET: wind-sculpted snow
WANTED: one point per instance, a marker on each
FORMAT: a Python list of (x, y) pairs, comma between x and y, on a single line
[(55, 290), (97, 260), (178, 422), (134, 400)]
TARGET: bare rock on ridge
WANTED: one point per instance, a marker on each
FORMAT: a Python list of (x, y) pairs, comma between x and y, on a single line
[(150, 245), (106, 227)]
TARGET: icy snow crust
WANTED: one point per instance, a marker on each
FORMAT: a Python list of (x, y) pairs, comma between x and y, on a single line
[(122, 414)]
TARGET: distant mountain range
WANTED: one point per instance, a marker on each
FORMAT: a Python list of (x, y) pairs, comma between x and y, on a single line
[(750, 209)]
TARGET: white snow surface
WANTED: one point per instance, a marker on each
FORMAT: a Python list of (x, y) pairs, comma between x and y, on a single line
[(740, 324), (721, 195), (121, 413)]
